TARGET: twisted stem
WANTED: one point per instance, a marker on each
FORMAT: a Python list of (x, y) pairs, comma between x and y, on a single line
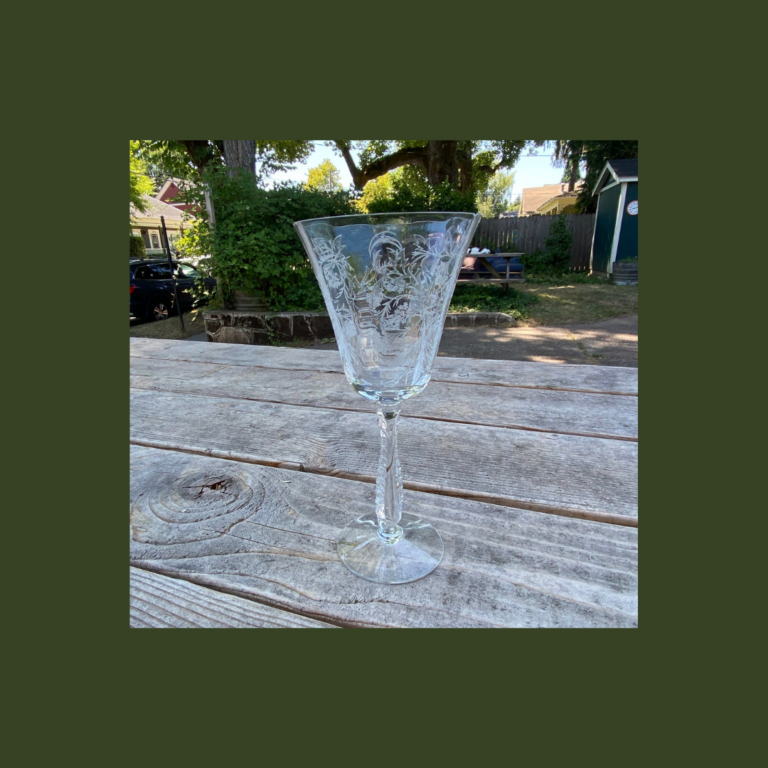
[(389, 481)]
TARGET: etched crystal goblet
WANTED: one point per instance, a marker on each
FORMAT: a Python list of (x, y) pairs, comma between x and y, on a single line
[(387, 280)]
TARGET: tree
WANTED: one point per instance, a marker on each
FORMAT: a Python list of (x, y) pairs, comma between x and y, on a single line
[(141, 184), (324, 178), (189, 158), (496, 198), (571, 174), (377, 191), (465, 166), (405, 189), (165, 159), (241, 154), (595, 154)]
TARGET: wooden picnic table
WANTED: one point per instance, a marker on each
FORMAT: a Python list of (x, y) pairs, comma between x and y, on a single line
[(247, 461), (495, 277)]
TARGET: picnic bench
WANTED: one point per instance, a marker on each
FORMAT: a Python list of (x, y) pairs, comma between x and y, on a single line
[(247, 461), (477, 268)]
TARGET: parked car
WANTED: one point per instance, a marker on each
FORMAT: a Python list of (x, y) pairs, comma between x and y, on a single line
[(151, 288)]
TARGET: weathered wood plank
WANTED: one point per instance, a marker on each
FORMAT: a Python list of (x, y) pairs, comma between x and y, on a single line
[(565, 474), (566, 412), (270, 534), (160, 602), (509, 373)]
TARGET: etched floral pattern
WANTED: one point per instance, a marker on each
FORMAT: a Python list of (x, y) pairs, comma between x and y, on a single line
[(387, 280), (387, 287)]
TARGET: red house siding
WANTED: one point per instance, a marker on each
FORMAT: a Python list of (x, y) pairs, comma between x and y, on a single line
[(170, 194)]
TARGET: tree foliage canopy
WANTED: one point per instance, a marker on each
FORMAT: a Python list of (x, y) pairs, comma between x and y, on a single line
[(595, 154), (497, 197), (324, 178), (405, 189), (189, 158), (466, 166), (141, 183)]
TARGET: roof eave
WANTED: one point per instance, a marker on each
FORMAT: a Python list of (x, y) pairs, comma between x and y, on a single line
[(606, 170)]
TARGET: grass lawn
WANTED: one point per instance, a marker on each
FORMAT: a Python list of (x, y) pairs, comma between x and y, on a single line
[(558, 302), (170, 328)]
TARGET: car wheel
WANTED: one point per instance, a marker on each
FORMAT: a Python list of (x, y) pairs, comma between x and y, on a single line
[(159, 309)]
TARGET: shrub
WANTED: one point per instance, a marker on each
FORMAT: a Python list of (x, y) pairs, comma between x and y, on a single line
[(558, 245), (555, 260), (138, 251), (442, 197), (254, 246)]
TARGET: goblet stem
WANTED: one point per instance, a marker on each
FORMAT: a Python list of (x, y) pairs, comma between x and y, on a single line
[(389, 481)]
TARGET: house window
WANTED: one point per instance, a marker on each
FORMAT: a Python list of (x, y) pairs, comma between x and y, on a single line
[(155, 241)]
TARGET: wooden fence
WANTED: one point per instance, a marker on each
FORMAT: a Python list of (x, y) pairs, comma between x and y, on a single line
[(528, 233)]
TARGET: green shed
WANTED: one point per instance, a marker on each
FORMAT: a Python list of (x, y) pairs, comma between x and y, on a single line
[(615, 236)]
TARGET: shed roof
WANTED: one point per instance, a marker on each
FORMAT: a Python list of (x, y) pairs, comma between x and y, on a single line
[(616, 170), (624, 168)]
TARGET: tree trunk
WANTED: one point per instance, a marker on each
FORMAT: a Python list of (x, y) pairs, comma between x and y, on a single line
[(443, 163), (464, 157), (572, 178), (240, 154)]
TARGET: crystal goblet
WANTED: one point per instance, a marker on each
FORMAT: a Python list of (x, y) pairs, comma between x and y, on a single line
[(387, 280)]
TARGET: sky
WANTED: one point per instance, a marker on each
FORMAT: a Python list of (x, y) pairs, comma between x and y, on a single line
[(530, 171)]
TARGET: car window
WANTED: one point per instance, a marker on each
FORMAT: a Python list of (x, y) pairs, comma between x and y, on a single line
[(186, 270), (161, 272), (142, 273)]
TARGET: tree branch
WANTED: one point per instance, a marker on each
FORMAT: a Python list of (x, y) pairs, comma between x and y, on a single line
[(200, 151), (405, 156)]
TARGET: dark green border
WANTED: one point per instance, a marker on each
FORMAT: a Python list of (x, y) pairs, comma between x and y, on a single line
[(81, 437)]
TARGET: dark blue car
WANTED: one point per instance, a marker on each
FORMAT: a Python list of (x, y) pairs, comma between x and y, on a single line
[(151, 288)]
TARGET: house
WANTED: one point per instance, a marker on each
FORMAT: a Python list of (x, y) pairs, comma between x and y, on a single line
[(170, 191), (150, 227), (615, 236), (559, 203), (548, 199)]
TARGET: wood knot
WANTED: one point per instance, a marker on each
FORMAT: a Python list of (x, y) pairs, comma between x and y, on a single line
[(193, 506)]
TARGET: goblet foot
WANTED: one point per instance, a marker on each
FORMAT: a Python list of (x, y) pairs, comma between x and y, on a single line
[(414, 554)]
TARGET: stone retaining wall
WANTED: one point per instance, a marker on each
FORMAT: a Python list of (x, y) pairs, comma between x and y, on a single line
[(239, 327)]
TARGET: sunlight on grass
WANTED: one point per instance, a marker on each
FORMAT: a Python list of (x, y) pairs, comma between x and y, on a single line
[(583, 303), (491, 298), (558, 302)]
